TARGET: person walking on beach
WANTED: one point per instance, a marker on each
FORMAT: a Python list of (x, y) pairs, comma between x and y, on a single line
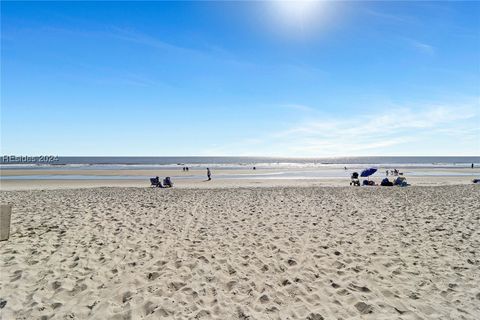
[(209, 174)]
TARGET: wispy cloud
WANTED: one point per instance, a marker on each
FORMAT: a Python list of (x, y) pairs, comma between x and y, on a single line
[(387, 16), (421, 46), (416, 44), (377, 133), (298, 107), (150, 41)]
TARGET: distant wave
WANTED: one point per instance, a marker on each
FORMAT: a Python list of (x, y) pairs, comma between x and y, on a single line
[(147, 163)]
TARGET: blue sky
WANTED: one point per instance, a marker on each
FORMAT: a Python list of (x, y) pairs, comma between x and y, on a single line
[(240, 78)]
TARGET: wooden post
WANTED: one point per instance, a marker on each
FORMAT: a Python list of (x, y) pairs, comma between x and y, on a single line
[(5, 214)]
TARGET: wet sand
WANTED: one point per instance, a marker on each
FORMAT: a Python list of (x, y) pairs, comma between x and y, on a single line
[(195, 178)]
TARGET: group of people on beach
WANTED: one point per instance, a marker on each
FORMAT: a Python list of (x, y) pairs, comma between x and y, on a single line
[(400, 180), (167, 182), (209, 173), (393, 172)]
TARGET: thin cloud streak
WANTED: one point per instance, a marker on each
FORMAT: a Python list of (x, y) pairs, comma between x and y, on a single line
[(421, 46), (376, 133), (299, 107), (387, 16)]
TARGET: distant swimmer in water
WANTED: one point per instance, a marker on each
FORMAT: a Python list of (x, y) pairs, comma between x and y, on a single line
[(209, 174)]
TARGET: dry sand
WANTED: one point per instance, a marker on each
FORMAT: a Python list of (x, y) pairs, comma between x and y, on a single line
[(242, 253)]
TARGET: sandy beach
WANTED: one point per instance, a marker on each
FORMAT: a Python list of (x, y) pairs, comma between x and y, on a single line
[(240, 160), (300, 252)]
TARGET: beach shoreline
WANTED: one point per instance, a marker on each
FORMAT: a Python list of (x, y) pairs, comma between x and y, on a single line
[(25, 179), (51, 184)]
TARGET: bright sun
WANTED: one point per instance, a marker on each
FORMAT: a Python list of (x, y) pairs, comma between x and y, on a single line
[(302, 19), (297, 14)]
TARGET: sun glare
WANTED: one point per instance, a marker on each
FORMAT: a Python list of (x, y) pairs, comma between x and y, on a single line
[(297, 15)]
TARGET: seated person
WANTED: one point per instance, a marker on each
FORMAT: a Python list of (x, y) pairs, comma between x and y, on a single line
[(400, 181), (156, 182), (386, 183), (355, 181), (167, 182)]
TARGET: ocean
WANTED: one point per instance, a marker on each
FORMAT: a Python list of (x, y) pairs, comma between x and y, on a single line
[(118, 163), (59, 168)]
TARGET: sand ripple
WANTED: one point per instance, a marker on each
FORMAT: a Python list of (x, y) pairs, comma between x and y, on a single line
[(245, 253)]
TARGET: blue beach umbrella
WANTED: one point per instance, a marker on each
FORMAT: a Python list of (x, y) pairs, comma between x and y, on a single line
[(368, 172)]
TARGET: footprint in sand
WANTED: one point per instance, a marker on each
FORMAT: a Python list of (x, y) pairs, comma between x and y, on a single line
[(176, 285), (353, 287), (149, 307), (78, 288), (315, 316), (16, 275), (127, 296), (56, 305), (264, 298), (343, 292), (286, 282), (230, 285), (291, 262), (56, 285), (153, 275), (364, 308)]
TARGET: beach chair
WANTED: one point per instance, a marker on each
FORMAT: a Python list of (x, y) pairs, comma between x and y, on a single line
[(355, 181), (155, 182), (167, 182)]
